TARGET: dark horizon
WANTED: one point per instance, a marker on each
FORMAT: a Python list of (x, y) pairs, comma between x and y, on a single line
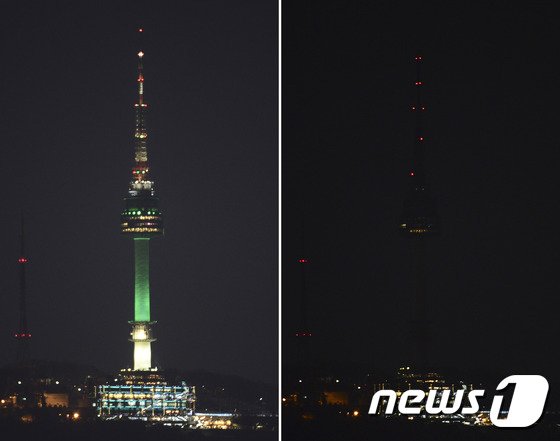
[(69, 84)]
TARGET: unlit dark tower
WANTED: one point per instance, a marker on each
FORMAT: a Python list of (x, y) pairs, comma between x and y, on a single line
[(23, 336), (141, 220), (419, 221)]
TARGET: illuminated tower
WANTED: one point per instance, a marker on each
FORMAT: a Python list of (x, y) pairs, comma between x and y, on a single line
[(148, 394), (141, 220), (419, 221), (23, 336)]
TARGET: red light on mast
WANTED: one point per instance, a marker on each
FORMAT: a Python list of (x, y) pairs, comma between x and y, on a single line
[(302, 260), (140, 30), (411, 173), (22, 260)]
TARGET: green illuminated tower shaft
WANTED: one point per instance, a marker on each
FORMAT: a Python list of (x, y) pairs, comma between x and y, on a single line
[(141, 279), (141, 220)]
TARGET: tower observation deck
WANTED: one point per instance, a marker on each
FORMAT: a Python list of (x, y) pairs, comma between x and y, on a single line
[(141, 220)]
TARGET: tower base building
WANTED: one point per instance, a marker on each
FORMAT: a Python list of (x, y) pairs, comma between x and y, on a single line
[(146, 396)]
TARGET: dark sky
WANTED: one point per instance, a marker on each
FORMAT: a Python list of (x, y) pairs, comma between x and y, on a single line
[(67, 88), (493, 112)]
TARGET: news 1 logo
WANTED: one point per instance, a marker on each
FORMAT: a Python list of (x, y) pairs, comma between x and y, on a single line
[(527, 403)]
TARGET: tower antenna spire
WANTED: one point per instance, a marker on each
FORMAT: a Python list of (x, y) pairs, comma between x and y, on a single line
[(140, 55), (23, 335), (419, 109), (141, 168), (22, 234), (419, 217), (140, 78)]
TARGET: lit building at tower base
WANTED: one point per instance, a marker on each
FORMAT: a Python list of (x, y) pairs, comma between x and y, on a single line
[(146, 396)]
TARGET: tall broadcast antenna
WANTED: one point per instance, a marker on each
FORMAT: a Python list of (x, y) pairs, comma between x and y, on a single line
[(303, 333), (23, 336)]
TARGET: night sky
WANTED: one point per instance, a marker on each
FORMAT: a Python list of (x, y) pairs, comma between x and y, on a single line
[(67, 88), (493, 110)]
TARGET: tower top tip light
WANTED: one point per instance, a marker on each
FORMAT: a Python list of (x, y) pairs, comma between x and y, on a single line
[(140, 54), (140, 30), (418, 58)]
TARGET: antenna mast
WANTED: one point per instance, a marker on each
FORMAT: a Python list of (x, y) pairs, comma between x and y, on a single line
[(23, 336)]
